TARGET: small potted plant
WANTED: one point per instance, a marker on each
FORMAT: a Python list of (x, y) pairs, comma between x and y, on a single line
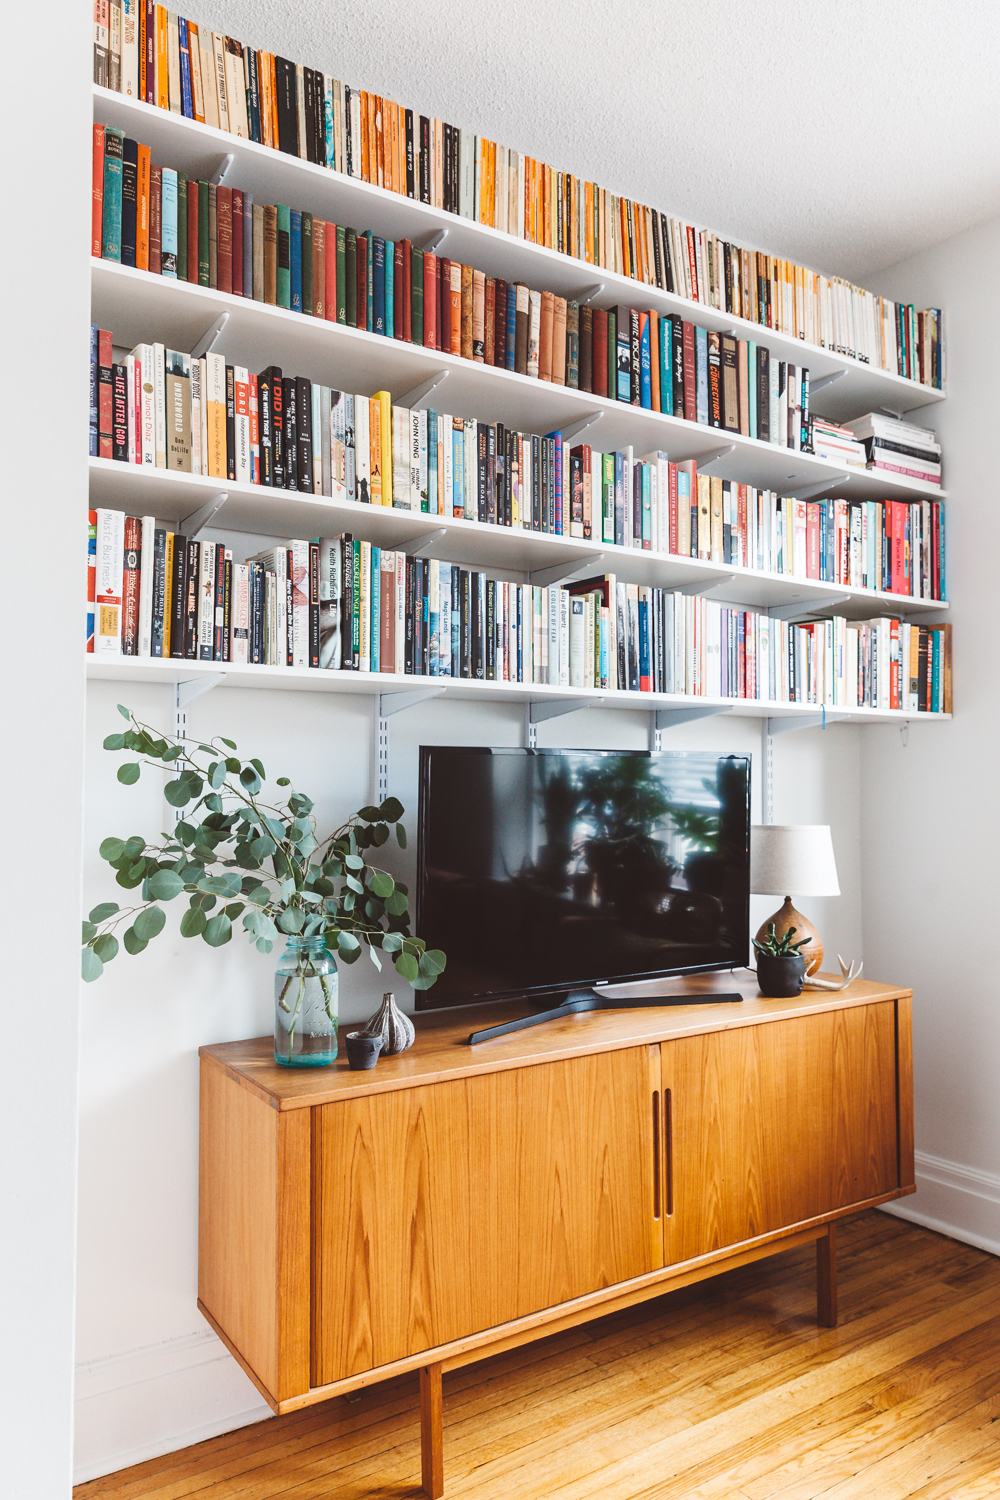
[(781, 969)]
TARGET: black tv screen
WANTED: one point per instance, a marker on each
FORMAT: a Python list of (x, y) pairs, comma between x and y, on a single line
[(545, 871)]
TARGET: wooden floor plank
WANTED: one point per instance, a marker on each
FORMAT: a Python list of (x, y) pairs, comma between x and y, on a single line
[(723, 1391)]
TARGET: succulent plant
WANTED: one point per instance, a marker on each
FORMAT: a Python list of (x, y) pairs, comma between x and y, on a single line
[(780, 947)]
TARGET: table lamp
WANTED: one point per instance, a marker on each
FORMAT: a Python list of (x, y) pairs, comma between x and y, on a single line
[(796, 858)]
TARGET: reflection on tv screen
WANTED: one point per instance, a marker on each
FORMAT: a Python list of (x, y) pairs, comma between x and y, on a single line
[(546, 870)]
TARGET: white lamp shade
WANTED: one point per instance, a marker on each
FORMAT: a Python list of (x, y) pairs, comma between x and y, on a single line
[(792, 859)]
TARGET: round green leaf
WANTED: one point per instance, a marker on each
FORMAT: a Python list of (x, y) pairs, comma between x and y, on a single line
[(106, 946), (217, 775), (291, 920), (111, 849), (348, 944), (89, 931), (392, 942), (433, 962), (401, 835), (105, 910), (218, 930), (406, 966), (380, 834), (151, 921), (193, 922), (264, 945), (114, 742), (90, 965), (128, 774), (177, 792), (283, 781), (391, 810), (381, 885), (396, 904), (354, 862), (370, 814), (164, 886), (133, 942)]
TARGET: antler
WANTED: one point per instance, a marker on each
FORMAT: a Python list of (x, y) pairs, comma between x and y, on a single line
[(848, 972)]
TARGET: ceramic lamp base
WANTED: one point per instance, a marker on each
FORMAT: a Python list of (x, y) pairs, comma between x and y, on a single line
[(786, 916)]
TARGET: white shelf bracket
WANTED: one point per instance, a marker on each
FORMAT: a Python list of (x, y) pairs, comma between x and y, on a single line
[(590, 292), (394, 703), (417, 546), (415, 399), (707, 585), (712, 458), (539, 710), (805, 606), (196, 522), (661, 719), (222, 171), (184, 694), (575, 428), (434, 241), (208, 338), (387, 704), (825, 380), (769, 728), (818, 489), (565, 572), (821, 719), (891, 411)]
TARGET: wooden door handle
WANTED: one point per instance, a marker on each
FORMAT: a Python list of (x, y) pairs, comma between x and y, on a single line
[(656, 1154), (668, 1149)]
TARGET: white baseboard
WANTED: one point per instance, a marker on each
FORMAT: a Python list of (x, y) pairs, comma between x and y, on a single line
[(139, 1405), (959, 1201)]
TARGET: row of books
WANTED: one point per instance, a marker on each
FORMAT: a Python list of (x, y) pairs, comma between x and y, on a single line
[(341, 603), (157, 407), (148, 52), (156, 219)]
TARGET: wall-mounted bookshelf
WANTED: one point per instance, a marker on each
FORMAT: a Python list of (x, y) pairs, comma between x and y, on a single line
[(138, 306), (273, 177), (375, 685)]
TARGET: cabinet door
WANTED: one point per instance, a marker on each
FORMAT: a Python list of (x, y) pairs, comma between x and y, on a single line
[(454, 1207), (776, 1124)]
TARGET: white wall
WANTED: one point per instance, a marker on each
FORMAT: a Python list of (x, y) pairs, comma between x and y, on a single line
[(151, 1375), (44, 324), (931, 811)]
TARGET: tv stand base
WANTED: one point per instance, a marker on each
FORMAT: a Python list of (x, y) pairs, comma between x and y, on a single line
[(582, 1000)]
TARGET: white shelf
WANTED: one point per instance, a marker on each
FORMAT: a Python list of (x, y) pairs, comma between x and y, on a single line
[(140, 307), (371, 684), (497, 549), (274, 177)]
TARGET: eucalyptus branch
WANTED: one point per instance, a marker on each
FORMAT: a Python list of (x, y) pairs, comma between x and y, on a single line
[(220, 851)]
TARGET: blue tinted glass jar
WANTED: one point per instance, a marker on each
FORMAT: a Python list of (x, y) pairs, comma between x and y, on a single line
[(305, 1005)]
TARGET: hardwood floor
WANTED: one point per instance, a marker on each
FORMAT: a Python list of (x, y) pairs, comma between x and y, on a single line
[(724, 1391)]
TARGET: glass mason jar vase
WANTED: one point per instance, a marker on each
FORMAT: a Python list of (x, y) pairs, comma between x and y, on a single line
[(305, 1005)]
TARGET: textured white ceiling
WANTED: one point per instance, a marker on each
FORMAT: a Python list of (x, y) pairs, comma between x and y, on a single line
[(847, 134)]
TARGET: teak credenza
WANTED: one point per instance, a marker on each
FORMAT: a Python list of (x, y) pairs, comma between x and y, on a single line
[(457, 1201)]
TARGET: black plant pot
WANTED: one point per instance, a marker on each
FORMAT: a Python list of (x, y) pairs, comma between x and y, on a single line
[(780, 977)]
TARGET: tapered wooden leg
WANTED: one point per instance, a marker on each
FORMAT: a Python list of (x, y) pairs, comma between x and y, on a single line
[(431, 1432), (826, 1277)]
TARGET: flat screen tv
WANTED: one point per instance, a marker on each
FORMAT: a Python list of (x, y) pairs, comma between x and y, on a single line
[(545, 872)]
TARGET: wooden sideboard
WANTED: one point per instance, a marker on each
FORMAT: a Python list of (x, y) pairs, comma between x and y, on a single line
[(456, 1201)]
